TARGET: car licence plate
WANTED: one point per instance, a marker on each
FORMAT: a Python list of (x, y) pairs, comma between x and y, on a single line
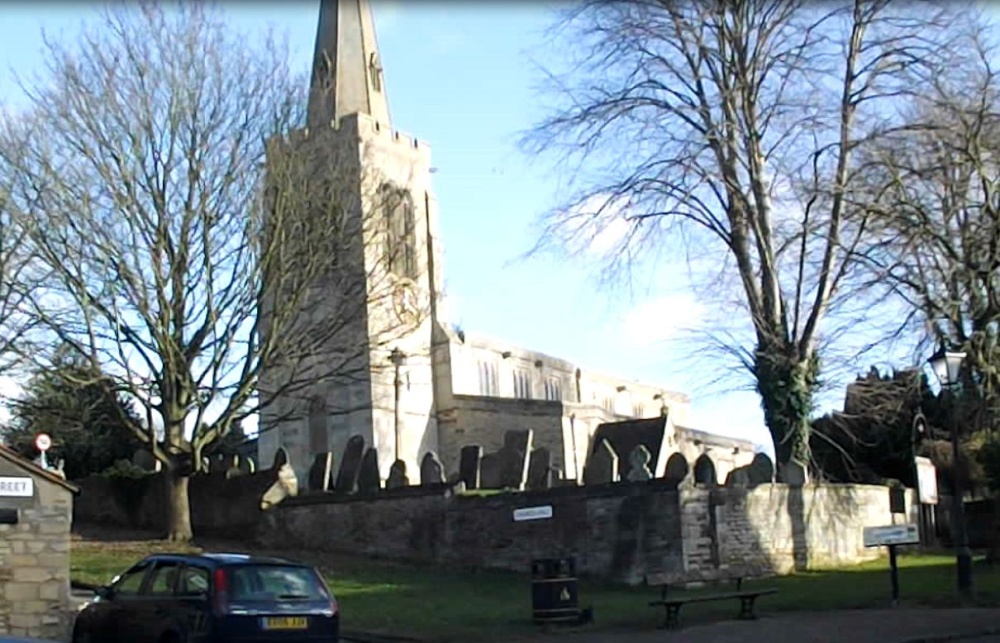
[(286, 623)]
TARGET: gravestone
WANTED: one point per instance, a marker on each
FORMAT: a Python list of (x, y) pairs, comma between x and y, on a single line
[(704, 471), (235, 469), (539, 470), (676, 470), (347, 476), (490, 471), (369, 478), (738, 477), (603, 465), (431, 471), (761, 470), (280, 458), (514, 457), (638, 461), (508, 467), (469, 465), (321, 472), (792, 474), (397, 476)]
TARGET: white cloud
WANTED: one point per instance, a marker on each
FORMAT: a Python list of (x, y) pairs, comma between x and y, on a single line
[(661, 318)]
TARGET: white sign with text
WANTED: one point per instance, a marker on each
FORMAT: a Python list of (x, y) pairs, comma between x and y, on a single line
[(533, 513), (907, 534), (17, 487)]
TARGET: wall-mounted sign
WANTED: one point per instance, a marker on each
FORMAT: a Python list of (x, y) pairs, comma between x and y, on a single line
[(926, 481), (533, 513), (907, 534), (17, 487)]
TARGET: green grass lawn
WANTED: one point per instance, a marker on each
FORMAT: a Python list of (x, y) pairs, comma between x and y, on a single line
[(442, 605)]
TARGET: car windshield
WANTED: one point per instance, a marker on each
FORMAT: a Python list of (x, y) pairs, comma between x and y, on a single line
[(274, 582)]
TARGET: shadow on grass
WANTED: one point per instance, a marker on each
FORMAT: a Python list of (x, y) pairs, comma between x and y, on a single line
[(443, 604)]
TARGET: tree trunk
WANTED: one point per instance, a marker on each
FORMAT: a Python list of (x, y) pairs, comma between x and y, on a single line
[(786, 385), (178, 508)]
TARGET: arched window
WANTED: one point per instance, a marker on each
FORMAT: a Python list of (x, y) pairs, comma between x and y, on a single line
[(488, 384), (400, 228), (522, 385)]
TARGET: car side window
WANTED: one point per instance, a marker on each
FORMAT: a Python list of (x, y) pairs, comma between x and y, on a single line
[(193, 582), (129, 582), (163, 581)]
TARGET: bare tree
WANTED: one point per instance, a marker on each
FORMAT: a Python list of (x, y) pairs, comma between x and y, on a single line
[(934, 201), (737, 123), (197, 241), (19, 275)]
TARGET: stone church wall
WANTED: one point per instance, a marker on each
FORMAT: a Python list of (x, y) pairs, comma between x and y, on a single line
[(484, 421)]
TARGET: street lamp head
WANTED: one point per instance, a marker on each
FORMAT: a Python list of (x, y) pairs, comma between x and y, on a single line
[(947, 365)]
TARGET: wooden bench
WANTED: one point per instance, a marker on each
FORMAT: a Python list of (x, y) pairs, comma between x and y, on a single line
[(672, 605)]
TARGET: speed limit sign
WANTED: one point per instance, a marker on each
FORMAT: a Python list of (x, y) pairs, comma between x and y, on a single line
[(43, 442)]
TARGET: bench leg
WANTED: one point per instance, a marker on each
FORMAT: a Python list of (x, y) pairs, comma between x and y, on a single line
[(672, 619), (746, 608)]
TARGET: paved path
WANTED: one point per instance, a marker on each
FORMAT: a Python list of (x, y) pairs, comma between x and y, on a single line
[(904, 625)]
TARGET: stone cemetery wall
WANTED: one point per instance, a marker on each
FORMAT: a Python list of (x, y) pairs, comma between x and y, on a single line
[(220, 506), (618, 531), (622, 531), (775, 529)]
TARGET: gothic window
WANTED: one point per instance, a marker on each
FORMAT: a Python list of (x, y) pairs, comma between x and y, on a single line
[(400, 228), (522, 385), (488, 382), (638, 411), (553, 389)]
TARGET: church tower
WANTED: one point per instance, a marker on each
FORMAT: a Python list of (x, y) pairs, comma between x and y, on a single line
[(387, 394)]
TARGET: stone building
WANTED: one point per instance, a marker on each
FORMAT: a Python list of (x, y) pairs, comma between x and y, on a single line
[(426, 386), (36, 509)]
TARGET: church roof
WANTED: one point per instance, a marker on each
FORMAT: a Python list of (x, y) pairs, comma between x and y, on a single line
[(347, 70)]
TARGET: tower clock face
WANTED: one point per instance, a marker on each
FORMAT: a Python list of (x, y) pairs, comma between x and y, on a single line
[(406, 302)]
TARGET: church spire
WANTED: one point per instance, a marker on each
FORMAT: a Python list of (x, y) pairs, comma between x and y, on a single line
[(347, 71)]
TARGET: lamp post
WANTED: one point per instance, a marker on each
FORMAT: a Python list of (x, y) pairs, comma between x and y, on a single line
[(398, 358), (947, 365)]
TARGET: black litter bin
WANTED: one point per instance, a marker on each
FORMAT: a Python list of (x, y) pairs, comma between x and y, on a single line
[(554, 594)]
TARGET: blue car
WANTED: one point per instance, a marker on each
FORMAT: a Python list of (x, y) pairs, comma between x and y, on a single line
[(211, 598)]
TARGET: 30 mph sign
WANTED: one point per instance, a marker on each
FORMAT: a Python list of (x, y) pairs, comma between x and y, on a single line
[(43, 442)]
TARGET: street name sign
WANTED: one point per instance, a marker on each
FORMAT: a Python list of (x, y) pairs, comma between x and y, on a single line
[(16, 487), (533, 513), (908, 534)]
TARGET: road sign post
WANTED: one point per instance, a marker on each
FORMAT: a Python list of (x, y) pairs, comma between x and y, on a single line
[(43, 443), (892, 536)]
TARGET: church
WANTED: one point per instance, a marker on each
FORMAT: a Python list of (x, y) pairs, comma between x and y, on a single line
[(424, 385)]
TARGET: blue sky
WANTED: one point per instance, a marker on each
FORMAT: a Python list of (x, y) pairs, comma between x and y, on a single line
[(463, 78)]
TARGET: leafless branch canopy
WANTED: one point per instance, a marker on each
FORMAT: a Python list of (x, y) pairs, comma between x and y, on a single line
[(933, 195), (194, 240), (739, 121)]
